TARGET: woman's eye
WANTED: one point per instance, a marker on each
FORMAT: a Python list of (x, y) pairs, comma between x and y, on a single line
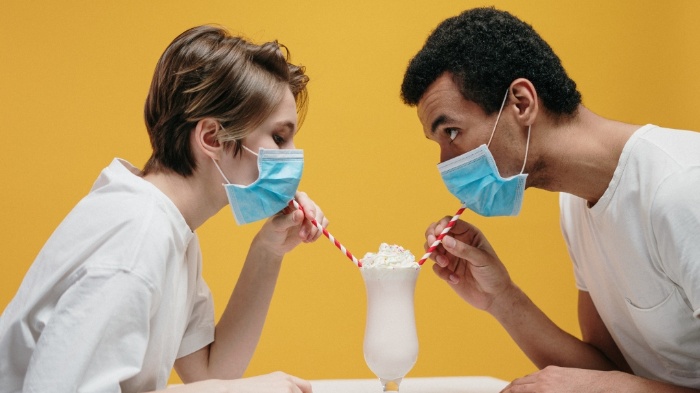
[(278, 139)]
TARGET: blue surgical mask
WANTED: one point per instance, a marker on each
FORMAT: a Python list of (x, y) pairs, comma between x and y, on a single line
[(278, 179), (474, 179)]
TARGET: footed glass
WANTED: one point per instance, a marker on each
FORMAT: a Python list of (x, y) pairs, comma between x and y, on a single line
[(391, 343)]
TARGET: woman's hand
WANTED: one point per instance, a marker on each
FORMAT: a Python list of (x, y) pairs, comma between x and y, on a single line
[(468, 263), (277, 382), (286, 229)]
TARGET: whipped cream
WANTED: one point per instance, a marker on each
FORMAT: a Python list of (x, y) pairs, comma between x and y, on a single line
[(389, 257)]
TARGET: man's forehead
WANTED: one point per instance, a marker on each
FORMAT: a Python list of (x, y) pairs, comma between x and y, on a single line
[(440, 93)]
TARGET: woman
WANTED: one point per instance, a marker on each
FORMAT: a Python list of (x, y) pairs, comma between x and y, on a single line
[(115, 298)]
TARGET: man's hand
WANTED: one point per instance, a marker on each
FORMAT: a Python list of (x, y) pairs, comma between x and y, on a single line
[(567, 380), (468, 263), (553, 379)]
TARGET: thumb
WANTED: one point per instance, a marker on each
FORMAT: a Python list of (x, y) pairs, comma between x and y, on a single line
[(286, 221), (465, 251)]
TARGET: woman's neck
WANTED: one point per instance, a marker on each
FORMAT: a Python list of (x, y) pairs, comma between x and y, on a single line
[(196, 197)]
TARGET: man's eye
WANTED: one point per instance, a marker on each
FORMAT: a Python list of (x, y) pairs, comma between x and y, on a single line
[(452, 133), (278, 139)]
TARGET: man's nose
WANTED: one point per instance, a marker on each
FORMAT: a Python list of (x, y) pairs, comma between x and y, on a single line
[(446, 154)]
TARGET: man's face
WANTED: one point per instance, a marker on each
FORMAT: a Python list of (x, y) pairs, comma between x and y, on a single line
[(454, 123)]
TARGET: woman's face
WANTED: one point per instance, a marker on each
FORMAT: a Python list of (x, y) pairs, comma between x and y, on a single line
[(276, 132)]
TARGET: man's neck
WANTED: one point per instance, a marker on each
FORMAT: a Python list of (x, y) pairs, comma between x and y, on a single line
[(580, 156)]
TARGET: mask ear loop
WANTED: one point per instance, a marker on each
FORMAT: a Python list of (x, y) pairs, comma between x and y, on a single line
[(498, 117), (527, 148), (220, 171), (217, 165), (251, 152)]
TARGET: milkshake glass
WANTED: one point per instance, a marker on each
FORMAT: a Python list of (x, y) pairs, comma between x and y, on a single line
[(390, 343)]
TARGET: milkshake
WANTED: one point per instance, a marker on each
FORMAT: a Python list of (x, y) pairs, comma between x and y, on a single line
[(391, 342)]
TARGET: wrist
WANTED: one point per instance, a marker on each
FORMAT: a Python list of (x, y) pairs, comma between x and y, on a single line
[(620, 381), (262, 252), (507, 302)]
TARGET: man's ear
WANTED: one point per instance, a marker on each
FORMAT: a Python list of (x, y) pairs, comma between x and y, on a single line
[(204, 139), (524, 98)]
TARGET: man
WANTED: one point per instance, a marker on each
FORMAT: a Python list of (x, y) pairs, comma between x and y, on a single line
[(497, 100)]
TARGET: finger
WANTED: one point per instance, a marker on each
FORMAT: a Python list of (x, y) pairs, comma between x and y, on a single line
[(523, 384), (440, 225), (441, 260), (286, 221), (308, 231), (310, 208), (431, 235), (303, 385), (457, 269), (462, 250), (430, 231), (287, 209), (311, 231), (455, 276), (517, 385), (438, 228), (437, 254), (507, 389), (442, 272), (318, 232)]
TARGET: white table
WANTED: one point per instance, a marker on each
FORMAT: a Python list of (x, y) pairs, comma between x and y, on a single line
[(413, 385)]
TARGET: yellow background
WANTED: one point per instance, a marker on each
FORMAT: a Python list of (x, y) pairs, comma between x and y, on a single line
[(74, 76)]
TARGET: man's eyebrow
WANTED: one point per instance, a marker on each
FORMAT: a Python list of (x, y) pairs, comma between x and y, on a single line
[(440, 120)]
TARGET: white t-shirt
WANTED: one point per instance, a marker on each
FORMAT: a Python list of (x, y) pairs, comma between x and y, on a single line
[(112, 299), (637, 252)]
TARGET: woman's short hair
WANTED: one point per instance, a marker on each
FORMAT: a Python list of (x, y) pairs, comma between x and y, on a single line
[(207, 72)]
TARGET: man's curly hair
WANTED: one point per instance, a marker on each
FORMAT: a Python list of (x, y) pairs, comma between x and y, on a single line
[(485, 50)]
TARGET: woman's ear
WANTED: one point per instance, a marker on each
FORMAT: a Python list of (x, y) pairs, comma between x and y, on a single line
[(204, 139), (524, 97)]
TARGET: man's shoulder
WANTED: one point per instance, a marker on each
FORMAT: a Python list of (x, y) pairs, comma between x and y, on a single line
[(680, 187), (681, 146)]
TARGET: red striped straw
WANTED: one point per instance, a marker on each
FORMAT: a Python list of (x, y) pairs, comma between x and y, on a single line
[(330, 237), (442, 234)]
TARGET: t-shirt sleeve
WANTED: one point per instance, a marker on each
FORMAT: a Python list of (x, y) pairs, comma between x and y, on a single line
[(96, 337), (676, 228), (200, 328)]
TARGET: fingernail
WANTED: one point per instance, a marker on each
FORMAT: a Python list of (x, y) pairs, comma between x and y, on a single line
[(441, 261)]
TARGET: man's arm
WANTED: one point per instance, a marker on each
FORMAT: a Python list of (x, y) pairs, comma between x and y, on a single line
[(568, 364), (595, 333), (468, 263), (541, 339)]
